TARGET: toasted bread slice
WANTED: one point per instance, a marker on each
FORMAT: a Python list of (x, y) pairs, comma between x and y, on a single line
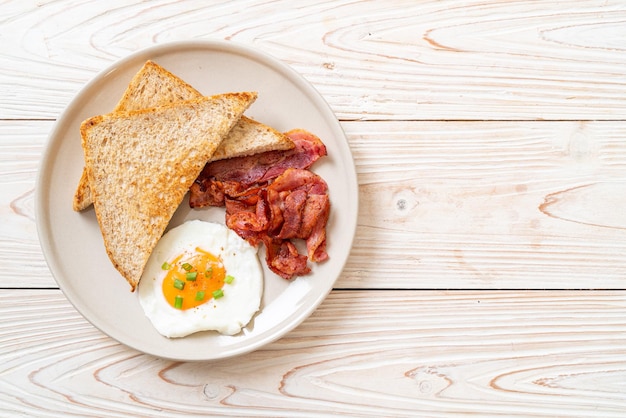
[(154, 86), (249, 137), (140, 164)]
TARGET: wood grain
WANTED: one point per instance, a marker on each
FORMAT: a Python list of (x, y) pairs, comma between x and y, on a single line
[(488, 138), (400, 60), (485, 204), (443, 205), (508, 354), (21, 148)]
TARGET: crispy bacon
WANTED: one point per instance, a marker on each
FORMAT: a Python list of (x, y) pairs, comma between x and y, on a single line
[(234, 176), (282, 258), (316, 239), (248, 216), (299, 208), (294, 206), (272, 198)]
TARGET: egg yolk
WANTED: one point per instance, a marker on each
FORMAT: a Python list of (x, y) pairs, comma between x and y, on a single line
[(193, 279)]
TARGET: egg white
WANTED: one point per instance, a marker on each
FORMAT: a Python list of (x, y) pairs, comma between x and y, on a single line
[(228, 314)]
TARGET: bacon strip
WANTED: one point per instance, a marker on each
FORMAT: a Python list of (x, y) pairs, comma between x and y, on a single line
[(299, 208), (272, 198), (282, 258), (248, 216), (234, 176), (294, 206)]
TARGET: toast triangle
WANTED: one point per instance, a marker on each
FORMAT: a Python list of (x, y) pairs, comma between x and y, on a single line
[(140, 164), (154, 86)]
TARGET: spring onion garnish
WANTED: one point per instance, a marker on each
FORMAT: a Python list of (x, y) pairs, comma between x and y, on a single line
[(218, 294), (178, 302), (191, 276), (179, 284), (200, 295), (165, 265), (229, 279), (208, 272), (187, 266)]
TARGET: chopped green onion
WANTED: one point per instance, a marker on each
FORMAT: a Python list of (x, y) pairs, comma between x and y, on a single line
[(200, 295), (191, 276), (165, 266), (178, 302), (229, 279), (208, 272), (179, 284), (187, 266), (218, 294)]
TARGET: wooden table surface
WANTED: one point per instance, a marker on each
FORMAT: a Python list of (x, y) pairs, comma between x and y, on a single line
[(488, 274)]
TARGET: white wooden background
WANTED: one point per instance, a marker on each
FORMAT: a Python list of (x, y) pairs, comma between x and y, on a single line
[(488, 276)]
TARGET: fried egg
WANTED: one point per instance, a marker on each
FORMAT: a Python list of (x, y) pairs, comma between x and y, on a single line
[(201, 276)]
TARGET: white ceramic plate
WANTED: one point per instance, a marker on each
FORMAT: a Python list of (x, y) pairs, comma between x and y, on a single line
[(72, 243)]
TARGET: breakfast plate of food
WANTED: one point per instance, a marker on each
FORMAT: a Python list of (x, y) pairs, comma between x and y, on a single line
[(197, 200)]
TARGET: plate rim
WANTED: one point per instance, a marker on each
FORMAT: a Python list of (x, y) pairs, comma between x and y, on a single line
[(41, 195)]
